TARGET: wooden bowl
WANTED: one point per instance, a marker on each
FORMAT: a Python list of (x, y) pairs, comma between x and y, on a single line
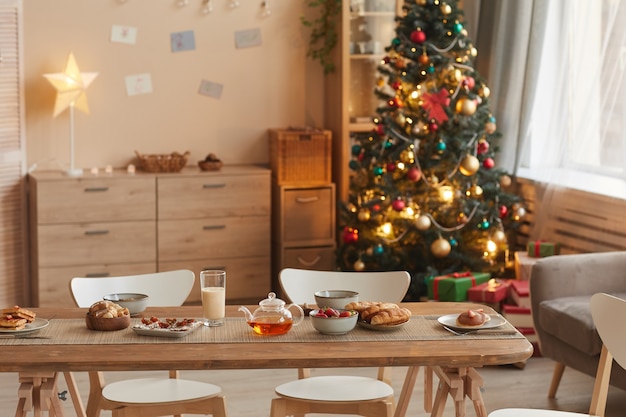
[(107, 324)]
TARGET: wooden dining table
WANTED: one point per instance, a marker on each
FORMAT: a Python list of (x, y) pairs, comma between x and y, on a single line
[(66, 345)]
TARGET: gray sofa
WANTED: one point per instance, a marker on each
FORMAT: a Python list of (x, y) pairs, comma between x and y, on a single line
[(560, 289)]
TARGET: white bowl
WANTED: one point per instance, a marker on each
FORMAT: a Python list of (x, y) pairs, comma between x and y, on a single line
[(333, 325), (134, 302), (335, 298)]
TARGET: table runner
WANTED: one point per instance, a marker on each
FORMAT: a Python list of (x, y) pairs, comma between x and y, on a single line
[(236, 330)]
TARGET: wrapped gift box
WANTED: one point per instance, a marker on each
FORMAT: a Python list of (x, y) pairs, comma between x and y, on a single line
[(519, 317), (492, 291), (453, 287), (541, 249), (519, 294), (523, 265)]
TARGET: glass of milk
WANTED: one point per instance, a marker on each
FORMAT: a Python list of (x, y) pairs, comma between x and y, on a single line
[(213, 287)]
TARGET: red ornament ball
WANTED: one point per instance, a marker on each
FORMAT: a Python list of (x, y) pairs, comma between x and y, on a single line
[(433, 127), (489, 163), (418, 36), (483, 146), (391, 166), (396, 85), (414, 174), (380, 129), (469, 82), (398, 205), (503, 211), (350, 235)]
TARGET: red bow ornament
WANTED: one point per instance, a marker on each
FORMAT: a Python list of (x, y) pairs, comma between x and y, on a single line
[(434, 104)]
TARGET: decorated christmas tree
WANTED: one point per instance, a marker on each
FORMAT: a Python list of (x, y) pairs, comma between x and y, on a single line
[(425, 193)]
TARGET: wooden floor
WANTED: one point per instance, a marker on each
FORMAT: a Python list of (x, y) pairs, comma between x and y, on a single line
[(248, 393)]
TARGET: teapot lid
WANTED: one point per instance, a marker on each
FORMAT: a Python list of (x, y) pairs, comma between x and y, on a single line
[(271, 302)]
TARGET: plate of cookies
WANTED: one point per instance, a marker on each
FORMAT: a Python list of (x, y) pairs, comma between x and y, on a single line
[(20, 320), (380, 316), (472, 319)]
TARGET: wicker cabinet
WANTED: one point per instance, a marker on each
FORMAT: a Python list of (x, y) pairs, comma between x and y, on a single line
[(133, 224), (366, 28)]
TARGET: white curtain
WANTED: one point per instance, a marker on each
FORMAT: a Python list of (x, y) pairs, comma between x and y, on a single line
[(508, 36)]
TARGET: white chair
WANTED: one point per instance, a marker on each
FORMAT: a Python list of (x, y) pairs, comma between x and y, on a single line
[(146, 396), (604, 310), (339, 394)]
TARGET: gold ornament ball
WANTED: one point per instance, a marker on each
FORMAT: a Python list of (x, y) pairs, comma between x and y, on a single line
[(422, 222), (490, 127), (401, 119), (484, 91), (469, 165), (440, 248), (499, 236), (473, 51), (505, 181), (520, 212), (359, 265), (421, 2), (364, 215), (466, 106), (446, 9)]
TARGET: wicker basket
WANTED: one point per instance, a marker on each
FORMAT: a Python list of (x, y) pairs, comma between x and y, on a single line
[(173, 162), (300, 156)]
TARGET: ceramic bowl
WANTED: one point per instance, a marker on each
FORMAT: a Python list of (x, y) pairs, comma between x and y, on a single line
[(335, 298), (134, 302), (333, 325), (107, 324)]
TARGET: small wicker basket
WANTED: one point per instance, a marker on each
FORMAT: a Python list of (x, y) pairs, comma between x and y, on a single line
[(210, 165), (173, 162)]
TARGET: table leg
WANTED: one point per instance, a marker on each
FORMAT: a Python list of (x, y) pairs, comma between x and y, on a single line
[(38, 392), (459, 383)]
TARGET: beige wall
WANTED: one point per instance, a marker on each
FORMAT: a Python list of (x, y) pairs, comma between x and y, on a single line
[(272, 85)]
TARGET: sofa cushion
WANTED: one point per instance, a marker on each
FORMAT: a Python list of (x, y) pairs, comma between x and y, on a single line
[(569, 319)]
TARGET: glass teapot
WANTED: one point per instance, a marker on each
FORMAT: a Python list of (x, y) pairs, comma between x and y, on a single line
[(272, 317)]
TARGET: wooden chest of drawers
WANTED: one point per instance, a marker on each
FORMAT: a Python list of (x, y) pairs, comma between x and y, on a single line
[(133, 224), (303, 228), (88, 226)]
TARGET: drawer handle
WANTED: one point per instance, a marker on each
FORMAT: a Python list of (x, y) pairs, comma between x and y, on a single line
[(96, 232), (96, 189), (214, 185), (307, 199), (98, 275), (309, 263), (214, 227)]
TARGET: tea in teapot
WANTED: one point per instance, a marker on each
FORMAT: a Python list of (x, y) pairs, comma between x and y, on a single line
[(272, 317)]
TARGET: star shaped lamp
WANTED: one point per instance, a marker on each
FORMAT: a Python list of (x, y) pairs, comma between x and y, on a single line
[(71, 85)]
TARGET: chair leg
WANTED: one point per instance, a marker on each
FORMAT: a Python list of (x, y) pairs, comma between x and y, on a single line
[(74, 394), (559, 368)]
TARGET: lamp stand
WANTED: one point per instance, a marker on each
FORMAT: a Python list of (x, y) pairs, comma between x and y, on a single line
[(73, 171)]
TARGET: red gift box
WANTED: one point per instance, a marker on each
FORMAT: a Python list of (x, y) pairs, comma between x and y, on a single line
[(519, 293), (492, 291)]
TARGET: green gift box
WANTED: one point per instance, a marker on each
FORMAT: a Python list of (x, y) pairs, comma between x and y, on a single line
[(541, 249), (453, 287)]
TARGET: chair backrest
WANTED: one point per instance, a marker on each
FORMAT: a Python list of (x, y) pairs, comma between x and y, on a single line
[(165, 289), (607, 312), (300, 285)]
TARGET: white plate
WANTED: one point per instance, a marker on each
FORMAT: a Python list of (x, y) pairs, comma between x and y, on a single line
[(36, 324), (381, 327), (142, 329), (450, 321)]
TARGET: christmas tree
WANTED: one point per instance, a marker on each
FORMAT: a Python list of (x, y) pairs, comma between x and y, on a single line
[(425, 193)]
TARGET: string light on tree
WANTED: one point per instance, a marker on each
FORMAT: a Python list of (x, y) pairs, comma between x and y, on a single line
[(426, 194)]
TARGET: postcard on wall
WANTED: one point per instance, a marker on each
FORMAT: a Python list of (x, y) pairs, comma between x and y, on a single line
[(211, 89), (248, 38), (183, 41), (138, 84), (124, 34)]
